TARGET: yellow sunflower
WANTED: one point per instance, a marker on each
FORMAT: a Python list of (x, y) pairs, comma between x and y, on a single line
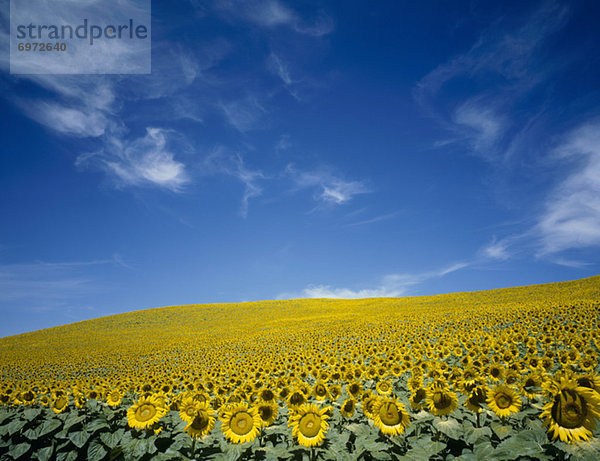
[(145, 412), (571, 414), (309, 425), (320, 391), (60, 403), (390, 416), (348, 408), (114, 397), (477, 399), (417, 399), (384, 388), (188, 409), (203, 422), (240, 423), (268, 412), (440, 400), (354, 389), (296, 398), (503, 400)]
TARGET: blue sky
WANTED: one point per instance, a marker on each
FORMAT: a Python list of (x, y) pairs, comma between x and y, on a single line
[(305, 149)]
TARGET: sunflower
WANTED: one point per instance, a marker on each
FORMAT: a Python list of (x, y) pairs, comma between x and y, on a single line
[(503, 400), (335, 391), (368, 406), (145, 412), (354, 388), (440, 400), (240, 423), (390, 416), (296, 398), (203, 422), (309, 425), (495, 372), (320, 391), (531, 383), (571, 414), (417, 398), (188, 409), (44, 400), (268, 412), (114, 397), (384, 388), (348, 408), (60, 403), (476, 399), (266, 395)]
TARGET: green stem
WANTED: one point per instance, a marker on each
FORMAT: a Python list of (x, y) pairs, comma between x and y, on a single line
[(313, 454), (478, 422), (193, 446)]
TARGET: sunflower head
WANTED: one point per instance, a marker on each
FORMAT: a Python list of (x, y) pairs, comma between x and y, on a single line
[(145, 412), (572, 412), (348, 408), (203, 422), (503, 400), (268, 412), (240, 424), (309, 425), (440, 400), (390, 416)]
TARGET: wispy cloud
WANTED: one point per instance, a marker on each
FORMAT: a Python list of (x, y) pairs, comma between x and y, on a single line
[(274, 13), (571, 217), (67, 120), (507, 55), (245, 114), (497, 249), (146, 160), (392, 285), (329, 188), (49, 285), (383, 217), (220, 161)]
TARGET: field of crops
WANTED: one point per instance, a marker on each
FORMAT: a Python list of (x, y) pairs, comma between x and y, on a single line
[(501, 374)]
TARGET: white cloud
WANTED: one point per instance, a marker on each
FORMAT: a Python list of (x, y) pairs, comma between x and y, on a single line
[(244, 115), (143, 161), (280, 68), (329, 189), (497, 249), (67, 120), (274, 13), (222, 162), (483, 126), (392, 285), (571, 218), (509, 56)]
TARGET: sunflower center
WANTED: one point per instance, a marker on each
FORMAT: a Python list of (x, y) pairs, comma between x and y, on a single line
[(190, 410), (200, 421), (441, 400), (569, 410), (265, 412), (241, 423), (389, 414), (145, 412), (348, 407), (420, 395), (320, 390), (503, 401), (297, 398), (60, 402), (310, 424)]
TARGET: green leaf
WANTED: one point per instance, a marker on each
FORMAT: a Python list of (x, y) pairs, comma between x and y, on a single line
[(31, 434), (79, 438), (72, 420), (450, 427), (483, 450), (111, 439), (15, 426), (31, 413), (96, 451), (501, 430), (588, 450), (48, 426), (45, 454), (96, 425), (473, 434), (19, 450), (513, 446)]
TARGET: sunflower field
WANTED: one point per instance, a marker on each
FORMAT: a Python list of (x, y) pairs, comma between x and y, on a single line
[(502, 374)]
